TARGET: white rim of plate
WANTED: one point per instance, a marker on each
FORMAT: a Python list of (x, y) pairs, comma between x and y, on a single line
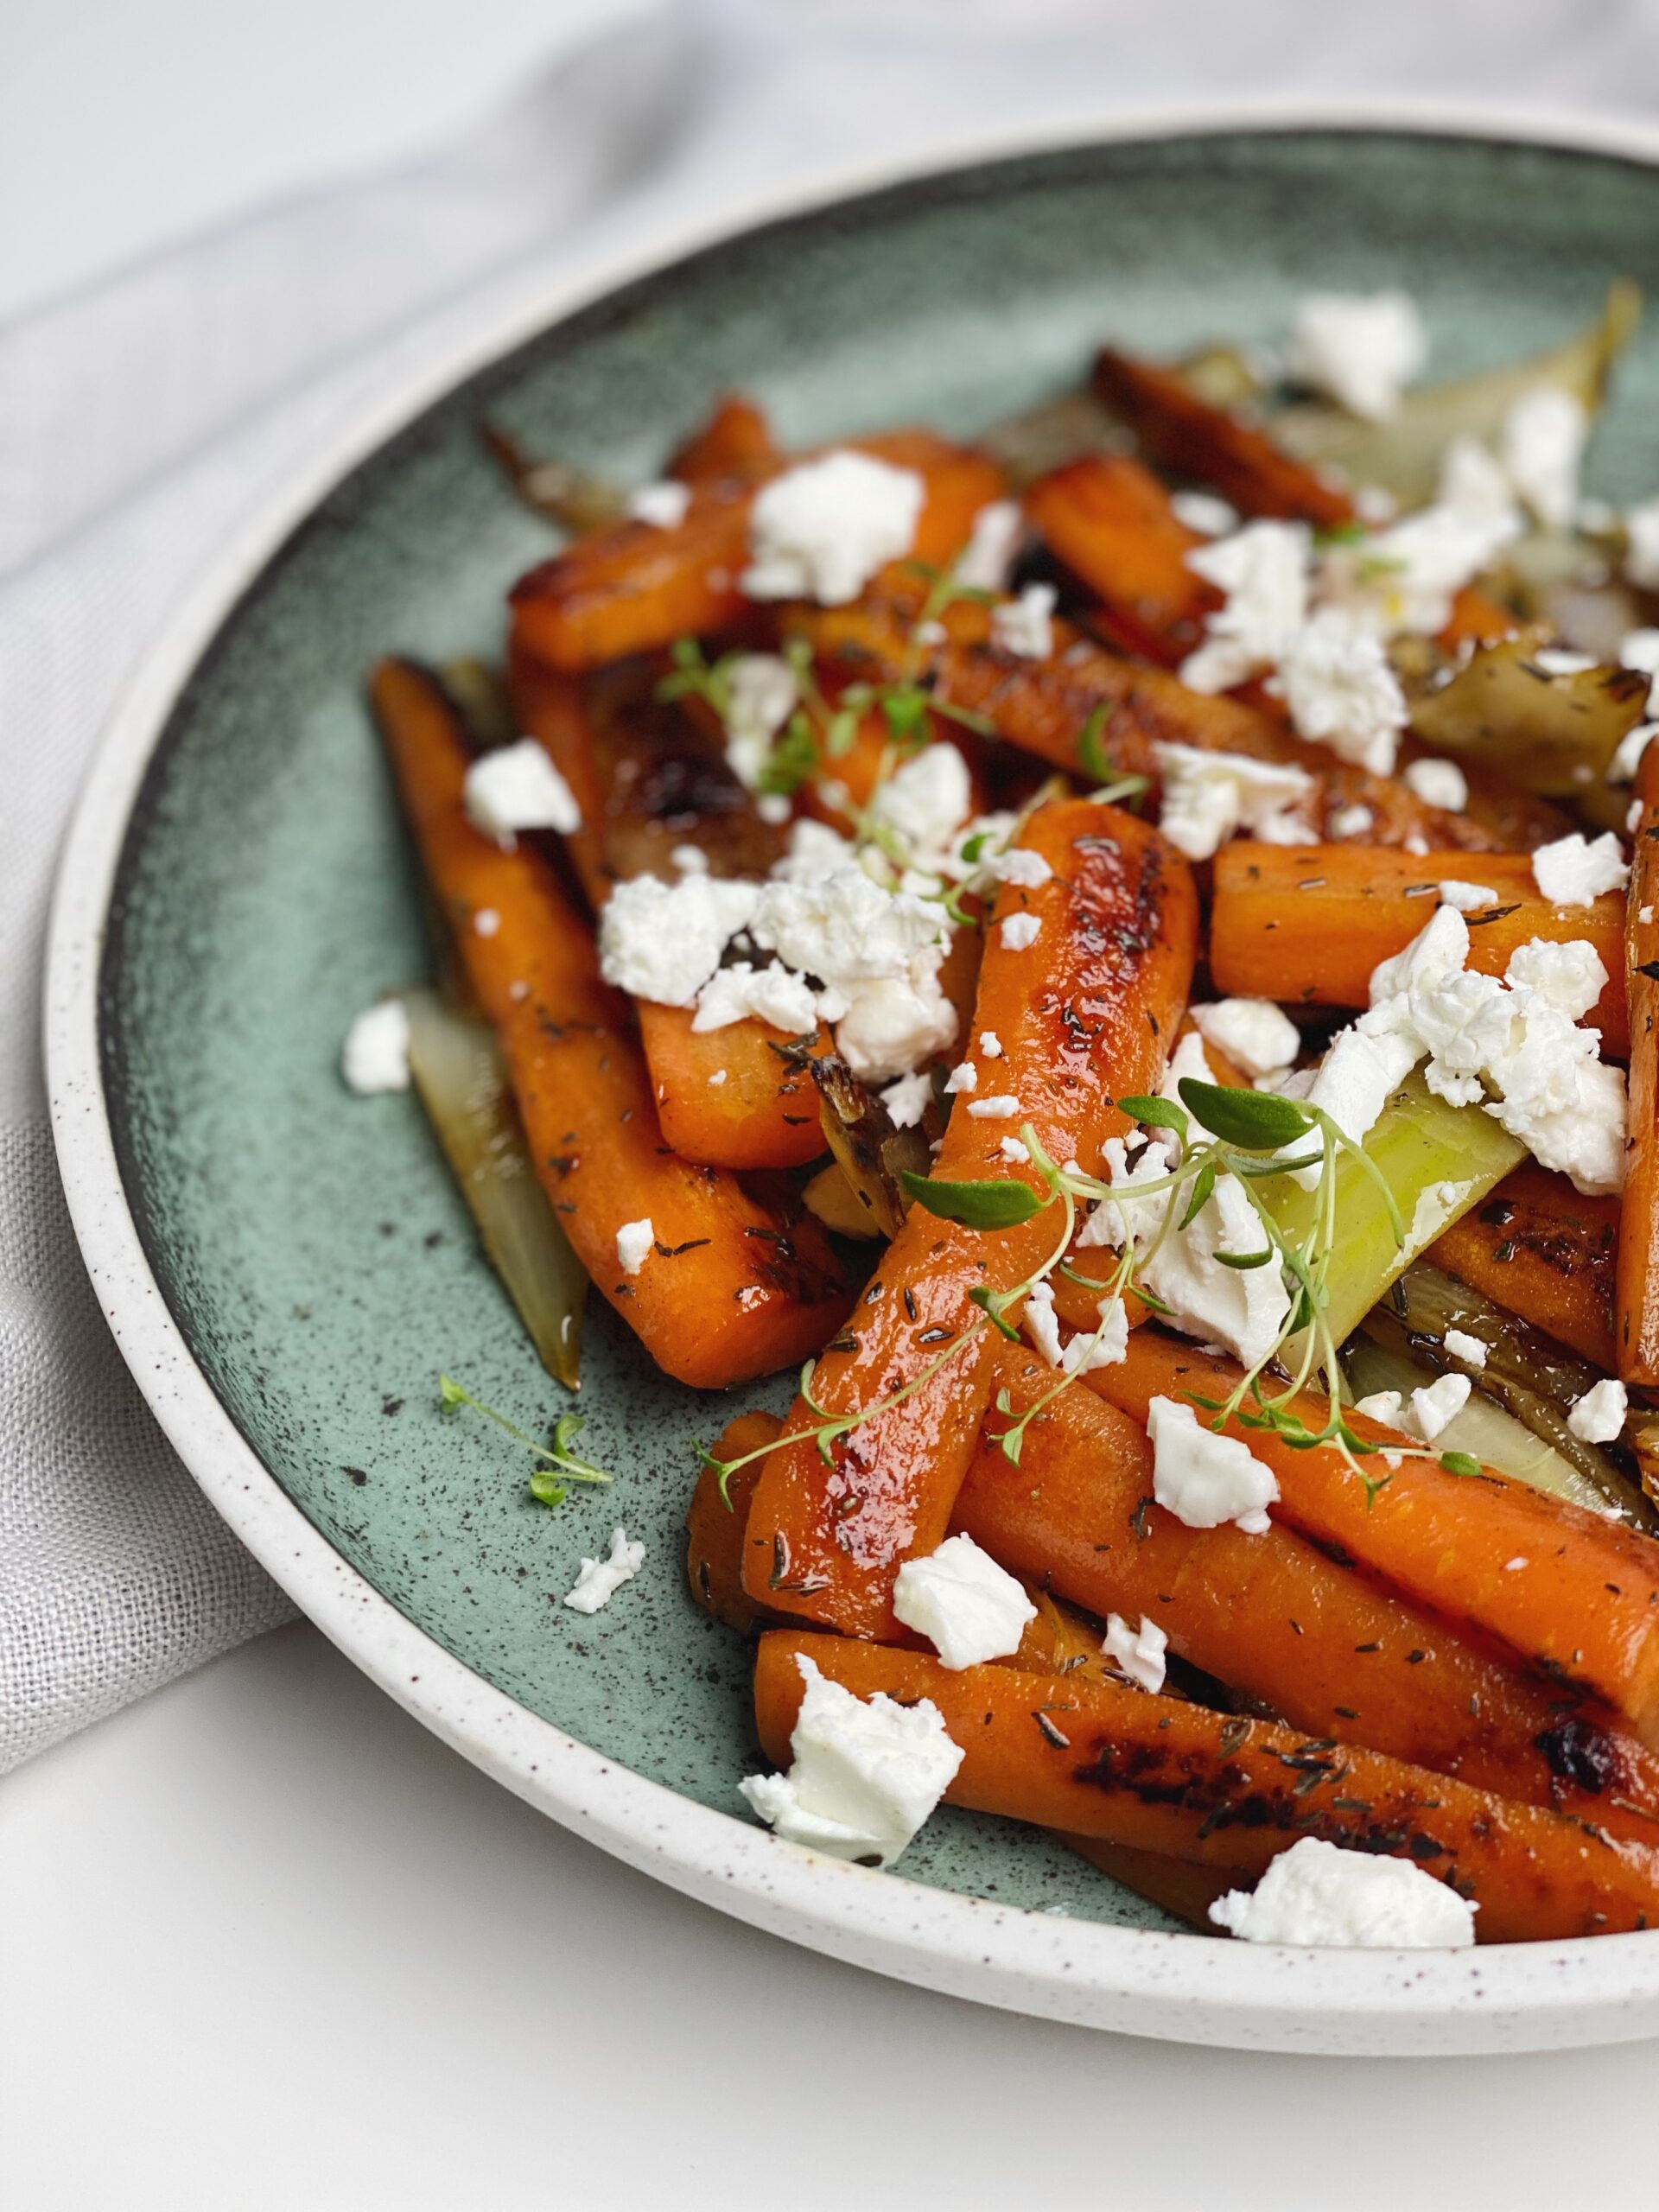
[(1177, 1986)]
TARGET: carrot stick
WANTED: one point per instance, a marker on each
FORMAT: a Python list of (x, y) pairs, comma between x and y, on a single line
[(1540, 1249), (1274, 1615), (715, 1529), (1186, 1890), (1161, 1775), (1307, 923), (634, 588), (1637, 1318), (725, 1294), (1582, 1608), (762, 1112), (736, 440), (1083, 1015), (1108, 517)]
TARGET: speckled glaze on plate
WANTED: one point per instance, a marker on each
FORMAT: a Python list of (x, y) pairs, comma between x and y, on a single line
[(287, 1270)]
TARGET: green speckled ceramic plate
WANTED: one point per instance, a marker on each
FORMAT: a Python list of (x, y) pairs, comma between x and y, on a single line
[(289, 1269)]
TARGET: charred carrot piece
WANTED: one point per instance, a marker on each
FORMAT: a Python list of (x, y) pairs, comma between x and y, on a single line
[(725, 1294), (634, 588), (1307, 923), (1109, 518), (735, 442), (1181, 1888), (1637, 1319), (1159, 1774), (1542, 1250), (1573, 1597), (1272, 1616), (1083, 1014), (716, 1529)]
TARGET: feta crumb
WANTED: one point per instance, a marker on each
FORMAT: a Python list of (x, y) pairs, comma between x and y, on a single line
[(969, 1609), (1258, 1036), (822, 530), (762, 692), (908, 1099), (1205, 1479), (663, 505), (690, 859), (773, 808), (1360, 348), (1515, 1565), (663, 940), (924, 800), (743, 992), (1599, 1416), (600, 1579), (375, 1055), (1438, 783), (1573, 871), (989, 555), (961, 1078), (1437, 1403), (1640, 648), (1263, 568), (1011, 1149), (717, 1078), (1336, 680), (1351, 821), (635, 1241), (1209, 796), (1473, 480), (1318, 1895), (1461, 1345), (1556, 660), (1024, 625), (518, 787), (1203, 511), (1627, 753), (485, 922), (1020, 865), (1019, 932), (994, 1109), (1644, 915), (1404, 578), (1541, 446), (867, 1773), (990, 1044), (1137, 1652), (1467, 897), (1641, 544)]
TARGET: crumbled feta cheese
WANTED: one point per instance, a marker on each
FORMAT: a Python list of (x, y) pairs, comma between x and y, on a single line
[(1203, 511), (822, 530), (717, 1078), (1404, 578), (1209, 796), (1024, 625), (992, 545), (1461, 1345), (1205, 1479), (1599, 1416), (961, 1078), (1336, 682), (485, 922), (1438, 783), (815, 851), (375, 1055), (1644, 915), (1021, 867), (663, 505), (1573, 871), (1243, 1309), (924, 800), (1437, 1403), (1640, 648), (1642, 545), (1263, 568), (743, 992), (1010, 1149), (600, 1579), (969, 1609), (1467, 897), (990, 1044), (517, 787), (892, 1025), (761, 692), (635, 1242), (690, 859), (1351, 821), (867, 1773), (1107, 1344), (1021, 932), (1375, 504), (1361, 348), (1556, 660), (1627, 753), (1541, 446), (1256, 1035), (994, 1109), (663, 940), (1318, 1894), (877, 955), (908, 1099), (1473, 482), (1137, 1652)]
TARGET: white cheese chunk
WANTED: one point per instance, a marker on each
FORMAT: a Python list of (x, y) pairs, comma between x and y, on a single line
[(635, 1242), (1574, 871), (1262, 569), (1010, 1149), (375, 1055), (822, 530), (994, 1109), (1024, 625), (1137, 1652), (772, 994), (990, 1044), (663, 940), (1318, 1894), (1467, 897), (1641, 547), (962, 1078), (518, 787), (1254, 1034), (1461, 1345), (1627, 757), (1336, 680), (924, 800), (1351, 821), (908, 1099), (664, 505), (1205, 1479), (485, 922), (984, 562), (1203, 511), (1599, 1416), (1437, 1403), (1541, 447), (1020, 865), (969, 1609), (1438, 783), (1209, 797), (600, 1579), (1361, 348), (1021, 932), (761, 692)]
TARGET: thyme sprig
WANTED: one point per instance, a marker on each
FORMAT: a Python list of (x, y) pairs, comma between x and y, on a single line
[(549, 1484)]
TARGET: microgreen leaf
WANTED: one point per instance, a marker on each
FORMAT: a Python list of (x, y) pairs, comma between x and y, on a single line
[(1461, 1462), (1096, 761), (1155, 1112), (1254, 1121), (992, 1303), (1245, 1261), (998, 1203), (1203, 1184)]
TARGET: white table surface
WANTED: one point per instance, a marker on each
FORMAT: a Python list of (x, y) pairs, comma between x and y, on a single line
[(264, 1944)]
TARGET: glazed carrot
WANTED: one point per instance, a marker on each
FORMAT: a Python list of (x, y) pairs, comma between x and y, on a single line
[(1540, 1249), (1161, 1775), (724, 1295), (1083, 1015), (1274, 1615), (634, 588), (1637, 1318), (714, 1530), (1571, 1595), (1109, 518), (735, 442), (763, 1112), (1045, 707), (1307, 923), (1181, 1888)]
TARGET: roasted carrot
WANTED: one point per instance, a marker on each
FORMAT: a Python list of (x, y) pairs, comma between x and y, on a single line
[(1181, 1888), (634, 588), (1109, 518), (741, 1096), (1274, 1617), (1540, 1249), (1307, 923), (715, 1528), (1083, 1015), (724, 1294), (1637, 1319), (1571, 1595), (736, 440), (1161, 1775)]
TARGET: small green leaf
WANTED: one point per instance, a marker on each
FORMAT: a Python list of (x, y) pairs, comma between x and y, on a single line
[(451, 1396), (906, 713), (1203, 1184), (1156, 1113), (842, 735), (1004, 1401), (1096, 761), (547, 1488), (992, 1303), (1245, 1261), (998, 1203), (1254, 1121), (1461, 1462), (1012, 1441)]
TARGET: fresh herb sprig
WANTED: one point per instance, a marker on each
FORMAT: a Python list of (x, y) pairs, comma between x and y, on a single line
[(549, 1484)]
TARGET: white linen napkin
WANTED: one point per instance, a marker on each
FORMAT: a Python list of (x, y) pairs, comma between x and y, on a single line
[(139, 422)]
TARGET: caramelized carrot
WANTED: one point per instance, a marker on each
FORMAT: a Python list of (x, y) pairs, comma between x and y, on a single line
[(1109, 518), (1272, 1616), (1161, 1775), (741, 1096), (1636, 1320), (1083, 1014), (715, 1529), (1573, 1596), (634, 588), (1542, 1250), (723, 1295), (735, 442), (1181, 1888), (1307, 923)]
